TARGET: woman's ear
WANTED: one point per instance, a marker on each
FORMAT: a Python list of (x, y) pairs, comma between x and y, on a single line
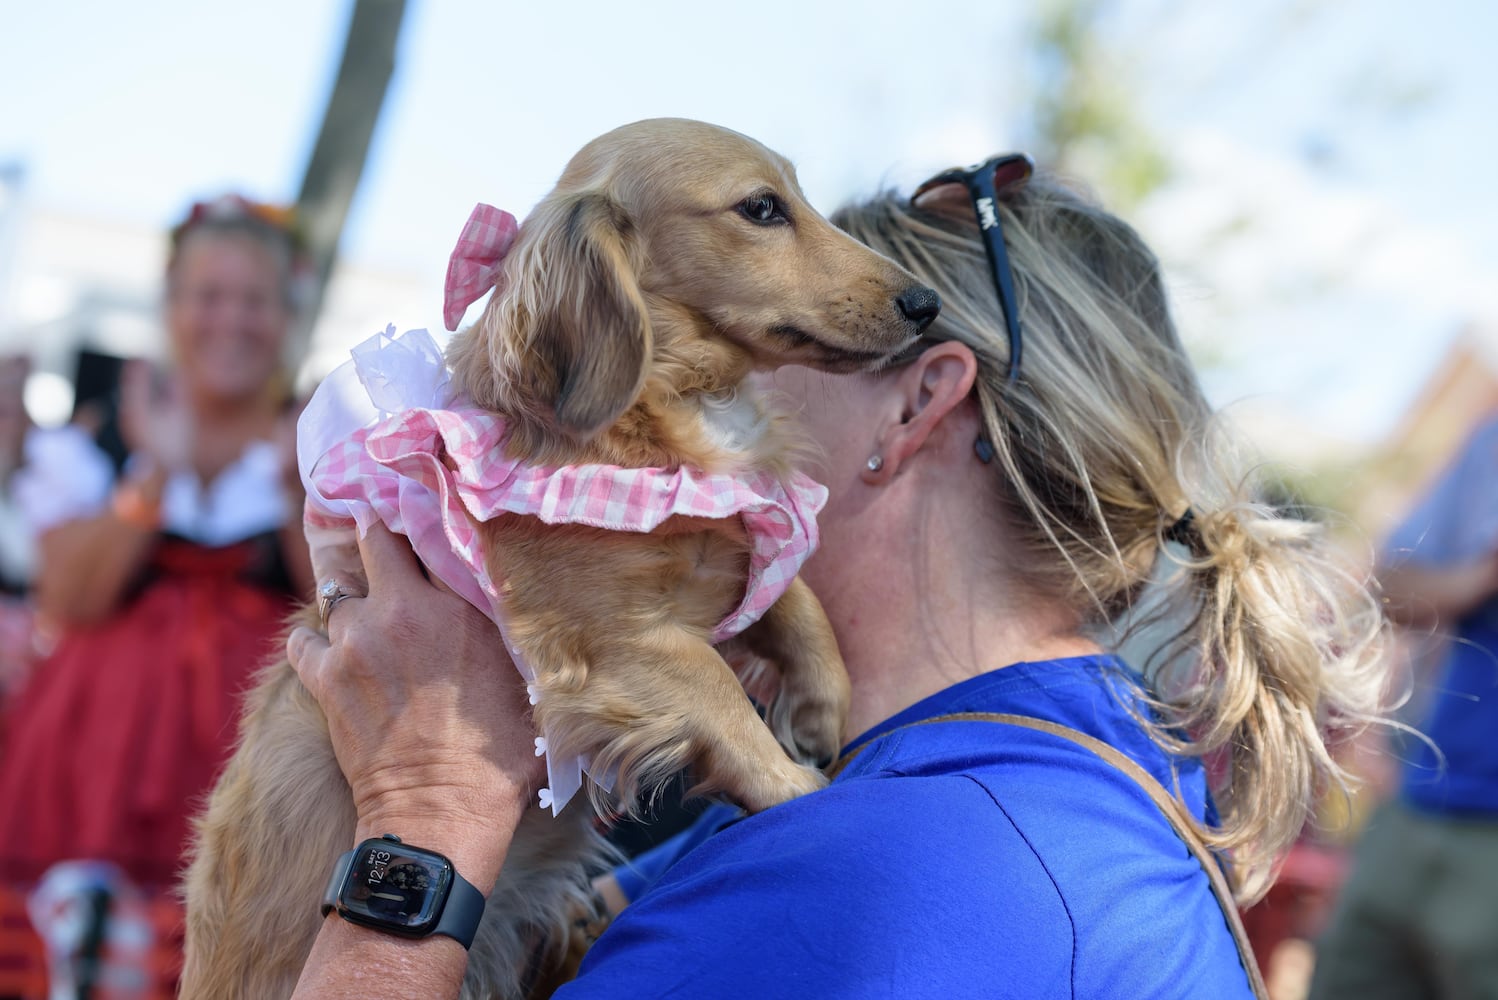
[(930, 392), (577, 324)]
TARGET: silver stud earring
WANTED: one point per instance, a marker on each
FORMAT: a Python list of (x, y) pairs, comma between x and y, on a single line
[(876, 463)]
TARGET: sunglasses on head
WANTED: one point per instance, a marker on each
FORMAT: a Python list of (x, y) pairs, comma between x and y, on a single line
[(985, 184)]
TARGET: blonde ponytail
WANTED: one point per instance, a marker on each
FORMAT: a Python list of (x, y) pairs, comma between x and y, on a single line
[(1284, 644)]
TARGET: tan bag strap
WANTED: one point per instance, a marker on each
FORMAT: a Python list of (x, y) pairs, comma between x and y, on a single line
[(1185, 827)]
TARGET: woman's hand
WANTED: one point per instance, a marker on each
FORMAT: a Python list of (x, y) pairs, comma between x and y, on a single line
[(154, 418), (86, 566), (427, 714)]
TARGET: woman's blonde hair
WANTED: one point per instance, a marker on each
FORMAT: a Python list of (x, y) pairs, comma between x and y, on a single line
[(1100, 448)]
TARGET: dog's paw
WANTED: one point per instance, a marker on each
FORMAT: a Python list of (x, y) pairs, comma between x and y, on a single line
[(808, 721), (780, 784)]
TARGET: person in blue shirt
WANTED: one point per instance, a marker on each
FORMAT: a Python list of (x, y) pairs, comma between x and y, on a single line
[(1418, 915), (996, 499)]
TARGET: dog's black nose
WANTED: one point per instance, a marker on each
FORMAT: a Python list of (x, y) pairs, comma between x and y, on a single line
[(919, 304)]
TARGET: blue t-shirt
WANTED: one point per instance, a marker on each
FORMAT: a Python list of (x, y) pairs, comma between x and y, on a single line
[(1457, 523), (957, 859)]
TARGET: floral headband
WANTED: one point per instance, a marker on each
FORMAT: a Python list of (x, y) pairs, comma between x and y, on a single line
[(237, 208)]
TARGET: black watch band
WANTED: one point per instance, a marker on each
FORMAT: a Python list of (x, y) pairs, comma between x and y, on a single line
[(400, 889)]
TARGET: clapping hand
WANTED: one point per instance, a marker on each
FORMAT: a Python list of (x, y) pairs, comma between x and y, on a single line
[(154, 417)]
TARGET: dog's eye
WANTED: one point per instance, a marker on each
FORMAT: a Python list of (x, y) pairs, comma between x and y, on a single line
[(763, 209)]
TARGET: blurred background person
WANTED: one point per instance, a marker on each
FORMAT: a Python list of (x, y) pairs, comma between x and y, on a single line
[(1418, 915), (16, 549), (166, 582)]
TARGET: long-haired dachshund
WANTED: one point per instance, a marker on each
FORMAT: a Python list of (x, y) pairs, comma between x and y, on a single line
[(672, 259)]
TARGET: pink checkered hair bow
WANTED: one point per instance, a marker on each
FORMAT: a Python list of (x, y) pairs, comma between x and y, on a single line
[(473, 268)]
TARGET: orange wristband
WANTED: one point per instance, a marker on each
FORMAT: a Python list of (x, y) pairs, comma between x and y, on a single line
[(131, 506)]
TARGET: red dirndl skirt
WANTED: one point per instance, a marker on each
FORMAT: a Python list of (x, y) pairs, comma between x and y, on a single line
[(121, 731)]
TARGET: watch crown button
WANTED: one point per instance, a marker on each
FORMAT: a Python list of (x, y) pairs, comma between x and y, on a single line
[(390, 836)]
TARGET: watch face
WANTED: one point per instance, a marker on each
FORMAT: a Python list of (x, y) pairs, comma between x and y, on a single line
[(397, 887)]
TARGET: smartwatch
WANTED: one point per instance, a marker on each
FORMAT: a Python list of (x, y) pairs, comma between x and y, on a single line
[(405, 890)]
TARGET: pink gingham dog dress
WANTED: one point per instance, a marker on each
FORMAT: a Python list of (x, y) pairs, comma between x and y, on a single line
[(386, 439)]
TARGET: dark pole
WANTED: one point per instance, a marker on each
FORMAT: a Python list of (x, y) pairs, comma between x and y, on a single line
[(348, 124)]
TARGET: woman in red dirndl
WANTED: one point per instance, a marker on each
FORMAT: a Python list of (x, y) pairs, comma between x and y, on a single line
[(167, 583)]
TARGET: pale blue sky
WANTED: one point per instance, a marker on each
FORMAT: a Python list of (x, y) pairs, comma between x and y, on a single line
[(1345, 145)]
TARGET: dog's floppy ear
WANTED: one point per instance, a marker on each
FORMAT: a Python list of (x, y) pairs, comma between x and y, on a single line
[(588, 325)]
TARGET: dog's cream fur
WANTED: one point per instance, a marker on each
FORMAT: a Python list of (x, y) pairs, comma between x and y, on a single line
[(672, 259)]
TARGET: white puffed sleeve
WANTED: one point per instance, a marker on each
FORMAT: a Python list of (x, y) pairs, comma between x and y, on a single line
[(65, 477)]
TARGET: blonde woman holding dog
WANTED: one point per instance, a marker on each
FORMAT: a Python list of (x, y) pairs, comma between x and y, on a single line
[(1017, 811)]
